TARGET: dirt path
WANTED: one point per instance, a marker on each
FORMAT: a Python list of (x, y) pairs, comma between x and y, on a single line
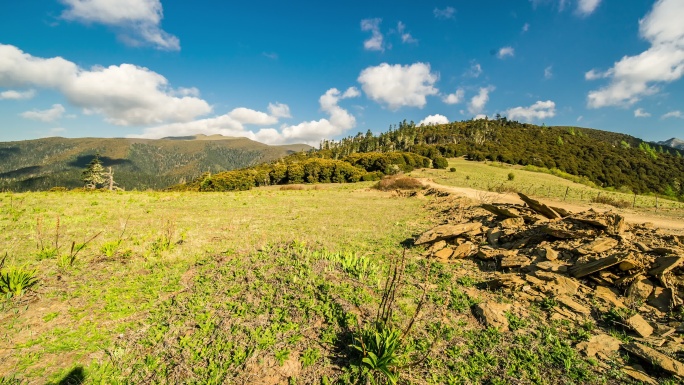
[(673, 222)]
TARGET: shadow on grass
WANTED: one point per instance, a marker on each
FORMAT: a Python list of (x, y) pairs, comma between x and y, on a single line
[(74, 377)]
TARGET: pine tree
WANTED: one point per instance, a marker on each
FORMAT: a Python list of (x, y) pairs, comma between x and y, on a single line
[(93, 175)]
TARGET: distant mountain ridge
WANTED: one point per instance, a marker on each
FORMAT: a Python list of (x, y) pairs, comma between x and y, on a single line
[(41, 164), (673, 142)]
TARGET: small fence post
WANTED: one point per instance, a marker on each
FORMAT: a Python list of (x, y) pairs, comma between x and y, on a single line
[(634, 202), (566, 193), (656, 203)]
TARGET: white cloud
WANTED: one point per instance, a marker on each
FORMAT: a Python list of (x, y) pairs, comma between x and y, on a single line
[(454, 98), (233, 123), (17, 95), (539, 110), (270, 55), (249, 116), (548, 72), (480, 117), (446, 13), (136, 21), (279, 110), (49, 115), (673, 114), (640, 113), (475, 70), (526, 27), (505, 52), (587, 7), (125, 94), (405, 36), (579, 118), (634, 77), (376, 41), (434, 119), (397, 86), (479, 101)]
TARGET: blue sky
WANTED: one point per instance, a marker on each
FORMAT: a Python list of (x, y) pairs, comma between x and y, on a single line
[(300, 71)]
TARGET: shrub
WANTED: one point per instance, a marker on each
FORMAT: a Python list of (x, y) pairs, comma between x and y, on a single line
[(400, 182), (511, 176), (14, 281), (605, 199), (292, 187), (440, 162), (453, 169)]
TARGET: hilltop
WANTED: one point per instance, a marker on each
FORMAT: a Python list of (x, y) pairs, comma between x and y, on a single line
[(137, 163), (673, 142)]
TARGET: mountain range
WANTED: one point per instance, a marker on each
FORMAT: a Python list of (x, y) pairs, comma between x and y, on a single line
[(673, 142), (41, 164)]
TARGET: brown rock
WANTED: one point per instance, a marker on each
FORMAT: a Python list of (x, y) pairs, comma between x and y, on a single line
[(628, 264), (508, 281), (599, 245), (493, 314), (512, 223), (583, 269), (463, 250), (552, 266), (641, 246), (661, 299), (640, 290), (437, 246), (656, 358), (558, 284), (487, 253), (493, 236), (560, 232), (608, 296), (561, 211), (446, 232), (444, 254), (548, 253), (637, 373), (501, 211), (602, 343), (539, 207), (572, 305), (639, 325), (514, 261), (664, 265)]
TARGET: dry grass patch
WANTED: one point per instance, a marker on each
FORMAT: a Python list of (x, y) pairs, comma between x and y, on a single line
[(398, 182)]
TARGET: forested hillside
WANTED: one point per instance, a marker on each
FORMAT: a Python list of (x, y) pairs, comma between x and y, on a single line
[(137, 163), (605, 158)]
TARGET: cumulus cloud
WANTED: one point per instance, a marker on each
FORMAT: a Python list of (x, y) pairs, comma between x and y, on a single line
[(539, 110), (548, 72), (634, 77), (480, 117), (49, 115), (479, 101), (505, 52), (233, 123), (125, 94), (398, 85), (526, 27), (405, 36), (454, 98), (17, 95), (446, 13), (673, 114), (587, 7), (376, 41), (434, 119), (279, 110), (475, 70), (137, 22), (640, 113)]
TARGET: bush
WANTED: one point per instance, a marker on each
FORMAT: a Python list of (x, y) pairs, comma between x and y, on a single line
[(440, 162), (292, 187), (605, 199), (511, 176), (398, 182), (453, 169)]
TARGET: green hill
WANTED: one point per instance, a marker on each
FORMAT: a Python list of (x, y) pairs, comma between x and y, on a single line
[(137, 163)]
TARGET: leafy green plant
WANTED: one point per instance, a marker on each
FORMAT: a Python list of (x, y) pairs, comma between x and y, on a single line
[(548, 303), (47, 252), (109, 248), (14, 281), (310, 356), (281, 356), (381, 344)]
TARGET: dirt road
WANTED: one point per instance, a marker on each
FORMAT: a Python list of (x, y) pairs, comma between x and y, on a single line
[(671, 221)]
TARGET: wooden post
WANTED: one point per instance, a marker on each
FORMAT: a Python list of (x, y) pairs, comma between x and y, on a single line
[(656, 203), (598, 196), (634, 203), (548, 194), (566, 193)]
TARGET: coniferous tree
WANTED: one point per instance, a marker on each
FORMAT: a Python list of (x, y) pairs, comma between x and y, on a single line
[(93, 175)]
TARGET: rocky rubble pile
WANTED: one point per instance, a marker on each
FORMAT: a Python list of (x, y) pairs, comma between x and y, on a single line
[(588, 264)]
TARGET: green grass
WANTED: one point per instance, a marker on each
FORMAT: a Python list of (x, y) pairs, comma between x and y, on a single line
[(209, 288), (494, 176)]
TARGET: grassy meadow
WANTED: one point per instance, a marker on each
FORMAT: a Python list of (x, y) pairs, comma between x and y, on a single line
[(493, 176), (264, 286)]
